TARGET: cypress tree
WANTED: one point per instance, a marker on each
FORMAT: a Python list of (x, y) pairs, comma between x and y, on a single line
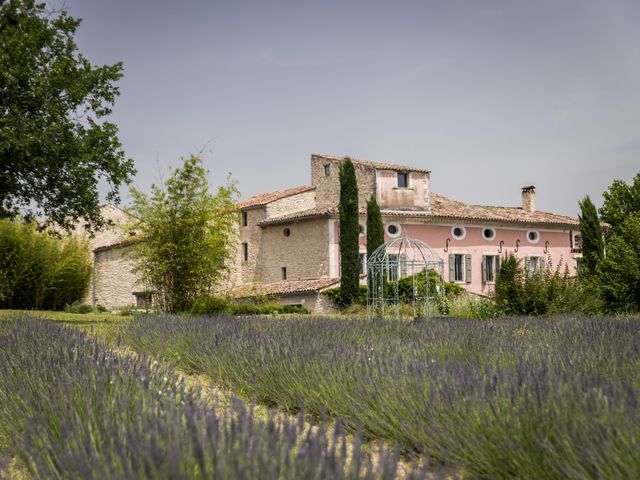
[(349, 233), (591, 232), (375, 228)]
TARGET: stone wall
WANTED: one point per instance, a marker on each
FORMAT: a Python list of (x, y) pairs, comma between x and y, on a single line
[(314, 302), (304, 252), (328, 187), (114, 282), (252, 235), (294, 203)]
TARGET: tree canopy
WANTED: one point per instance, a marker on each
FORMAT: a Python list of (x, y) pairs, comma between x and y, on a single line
[(185, 235), (55, 146)]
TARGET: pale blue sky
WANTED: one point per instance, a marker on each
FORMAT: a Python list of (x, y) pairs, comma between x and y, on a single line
[(489, 95)]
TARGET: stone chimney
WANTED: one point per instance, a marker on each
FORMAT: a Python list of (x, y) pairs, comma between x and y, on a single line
[(529, 199)]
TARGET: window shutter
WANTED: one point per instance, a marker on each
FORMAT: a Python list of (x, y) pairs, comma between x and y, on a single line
[(452, 266), (467, 265), (484, 269), (497, 264), (527, 265), (541, 264)]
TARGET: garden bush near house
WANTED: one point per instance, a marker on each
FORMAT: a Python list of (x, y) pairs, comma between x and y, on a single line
[(544, 291), (40, 271), (129, 419), (513, 397), (210, 305), (78, 308)]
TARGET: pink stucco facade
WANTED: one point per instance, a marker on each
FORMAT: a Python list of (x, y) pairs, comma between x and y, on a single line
[(555, 246)]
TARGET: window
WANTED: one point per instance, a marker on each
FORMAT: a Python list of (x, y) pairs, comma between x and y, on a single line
[(245, 252), (460, 267), (459, 233), (362, 229), (393, 230), (490, 267), (286, 232), (579, 264), (533, 236), (576, 241), (403, 180), (393, 261), (363, 263), (245, 220), (327, 170), (533, 264), (284, 273), (488, 233)]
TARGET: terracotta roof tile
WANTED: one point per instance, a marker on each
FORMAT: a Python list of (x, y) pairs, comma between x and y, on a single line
[(284, 287), (444, 208), (264, 198), (378, 165)]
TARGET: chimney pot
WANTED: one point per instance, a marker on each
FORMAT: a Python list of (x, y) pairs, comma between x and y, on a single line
[(529, 199)]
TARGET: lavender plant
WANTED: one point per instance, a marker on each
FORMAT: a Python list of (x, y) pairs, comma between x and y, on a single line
[(70, 407), (520, 397)]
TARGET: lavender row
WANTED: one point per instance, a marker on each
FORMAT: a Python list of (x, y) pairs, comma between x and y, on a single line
[(532, 398), (70, 407)]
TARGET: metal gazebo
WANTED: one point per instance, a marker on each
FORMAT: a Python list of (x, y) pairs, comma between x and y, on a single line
[(404, 278)]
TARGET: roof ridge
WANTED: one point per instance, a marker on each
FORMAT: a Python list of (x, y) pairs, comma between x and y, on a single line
[(380, 165), (268, 197)]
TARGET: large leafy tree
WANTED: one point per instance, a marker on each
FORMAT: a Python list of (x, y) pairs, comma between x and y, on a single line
[(620, 201), (185, 235), (591, 231), (55, 147), (349, 233), (620, 270)]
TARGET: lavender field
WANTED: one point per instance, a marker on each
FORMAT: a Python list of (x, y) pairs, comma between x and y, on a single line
[(520, 397), (71, 408)]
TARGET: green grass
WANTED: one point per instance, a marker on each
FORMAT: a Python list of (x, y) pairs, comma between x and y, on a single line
[(106, 326)]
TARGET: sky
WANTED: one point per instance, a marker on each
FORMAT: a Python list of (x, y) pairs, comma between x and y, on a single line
[(489, 95)]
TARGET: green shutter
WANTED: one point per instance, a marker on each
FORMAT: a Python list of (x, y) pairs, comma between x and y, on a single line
[(467, 265), (541, 264), (527, 265), (484, 269), (452, 267)]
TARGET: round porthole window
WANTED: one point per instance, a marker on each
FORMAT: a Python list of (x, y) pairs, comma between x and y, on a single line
[(533, 236), (488, 233), (393, 230), (286, 232), (459, 233)]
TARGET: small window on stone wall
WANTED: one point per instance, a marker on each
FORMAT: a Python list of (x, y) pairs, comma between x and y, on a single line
[(403, 180), (245, 251), (327, 170), (245, 220), (286, 232), (284, 273)]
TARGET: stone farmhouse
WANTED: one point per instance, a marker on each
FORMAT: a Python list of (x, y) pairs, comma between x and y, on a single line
[(288, 239)]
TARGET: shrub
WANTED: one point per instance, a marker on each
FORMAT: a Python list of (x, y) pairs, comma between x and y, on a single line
[(544, 291), (336, 296), (215, 305), (40, 271), (78, 308)]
